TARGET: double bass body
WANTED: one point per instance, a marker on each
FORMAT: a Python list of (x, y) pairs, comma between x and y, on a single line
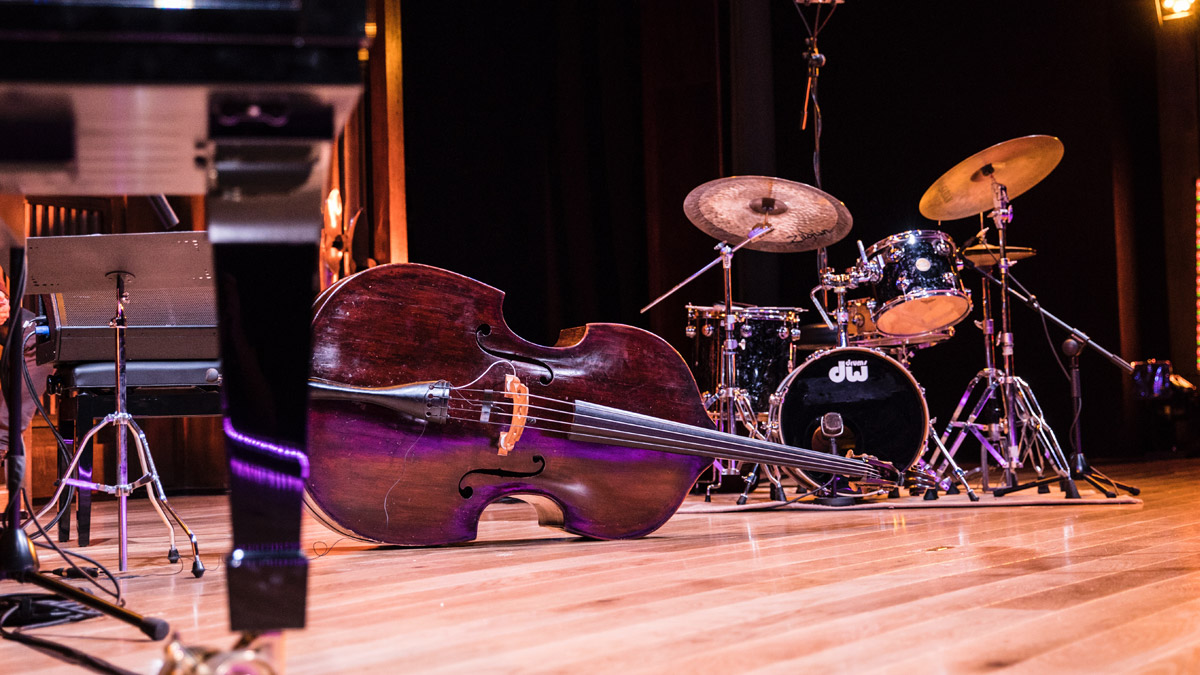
[(403, 479)]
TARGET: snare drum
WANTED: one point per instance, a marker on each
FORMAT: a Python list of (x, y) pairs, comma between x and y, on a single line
[(862, 331), (882, 407), (920, 291), (765, 351)]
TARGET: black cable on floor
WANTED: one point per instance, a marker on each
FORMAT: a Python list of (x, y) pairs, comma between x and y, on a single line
[(50, 610)]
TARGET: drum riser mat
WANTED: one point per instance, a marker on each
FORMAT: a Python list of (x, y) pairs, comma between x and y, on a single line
[(726, 503)]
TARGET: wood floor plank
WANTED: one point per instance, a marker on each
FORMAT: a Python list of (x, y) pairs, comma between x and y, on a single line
[(955, 590)]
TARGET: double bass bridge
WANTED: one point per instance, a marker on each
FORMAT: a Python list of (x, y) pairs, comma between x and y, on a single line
[(519, 393)]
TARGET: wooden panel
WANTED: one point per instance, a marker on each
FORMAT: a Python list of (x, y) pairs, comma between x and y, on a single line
[(385, 96)]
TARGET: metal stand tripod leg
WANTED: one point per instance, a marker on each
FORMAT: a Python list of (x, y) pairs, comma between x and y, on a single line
[(1036, 435), (955, 469), (158, 499), (744, 413), (122, 423), (989, 379)]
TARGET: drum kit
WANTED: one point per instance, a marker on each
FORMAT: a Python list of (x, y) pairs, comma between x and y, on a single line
[(844, 384)]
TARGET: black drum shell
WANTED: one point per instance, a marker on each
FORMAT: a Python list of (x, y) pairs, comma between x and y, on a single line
[(920, 291), (765, 352), (884, 414)]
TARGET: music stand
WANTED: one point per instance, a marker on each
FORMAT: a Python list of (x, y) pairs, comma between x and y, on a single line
[(126, 262)]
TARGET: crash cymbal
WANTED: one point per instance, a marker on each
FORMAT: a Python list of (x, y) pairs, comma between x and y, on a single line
[(803, 218), (987, 255), (966, 190)]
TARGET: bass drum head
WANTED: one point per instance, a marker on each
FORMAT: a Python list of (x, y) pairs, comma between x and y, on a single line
[(882, 407)]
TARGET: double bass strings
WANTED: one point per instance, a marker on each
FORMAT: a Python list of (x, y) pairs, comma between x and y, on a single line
[(763, 451), (700, 449)]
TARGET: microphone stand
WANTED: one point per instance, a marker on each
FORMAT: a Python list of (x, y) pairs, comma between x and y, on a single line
[(18, 558), (1072, 347)]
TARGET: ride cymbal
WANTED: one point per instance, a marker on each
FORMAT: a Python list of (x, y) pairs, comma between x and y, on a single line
[(966, 190), (802, 217), (988, 255)]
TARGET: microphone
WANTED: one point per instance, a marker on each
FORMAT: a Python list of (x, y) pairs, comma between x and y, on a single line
[(831, 429), (831, 426)]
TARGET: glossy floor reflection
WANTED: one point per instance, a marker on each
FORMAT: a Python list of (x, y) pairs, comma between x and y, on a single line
[(1112, 588)]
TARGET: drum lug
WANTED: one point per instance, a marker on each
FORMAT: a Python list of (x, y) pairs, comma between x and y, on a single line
[(707, 330), (690, 330)]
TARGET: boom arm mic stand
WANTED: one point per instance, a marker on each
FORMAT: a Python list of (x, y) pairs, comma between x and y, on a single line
[(1072, 347), (18, 558)]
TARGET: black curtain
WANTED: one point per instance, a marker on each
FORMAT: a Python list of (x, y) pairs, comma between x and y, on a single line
[(550, 144), (524, 154)]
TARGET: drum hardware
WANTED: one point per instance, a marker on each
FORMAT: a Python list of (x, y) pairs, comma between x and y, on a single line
[(1077, 466), (925, 469), (865, 271), (991, 435), (990, 178)]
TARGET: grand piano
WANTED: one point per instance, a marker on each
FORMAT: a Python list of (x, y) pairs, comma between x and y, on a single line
[(237, 100)]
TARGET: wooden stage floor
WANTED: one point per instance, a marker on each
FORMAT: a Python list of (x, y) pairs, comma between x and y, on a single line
[(1057, 589)]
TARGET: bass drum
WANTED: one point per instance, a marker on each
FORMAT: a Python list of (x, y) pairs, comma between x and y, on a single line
[(882, 407)]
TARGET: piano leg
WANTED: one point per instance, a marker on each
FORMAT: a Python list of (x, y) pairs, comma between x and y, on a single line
[(265, 291)]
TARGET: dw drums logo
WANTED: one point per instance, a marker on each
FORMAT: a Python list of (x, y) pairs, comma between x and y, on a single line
[(849, 371)]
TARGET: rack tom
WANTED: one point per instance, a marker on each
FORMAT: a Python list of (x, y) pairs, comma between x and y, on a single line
[(764, 348), (920, 291)]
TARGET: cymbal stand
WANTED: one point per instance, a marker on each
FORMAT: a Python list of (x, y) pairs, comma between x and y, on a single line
[(1072, 347), (1001, 215), (733, 404), (123, 424), (1019, 406)]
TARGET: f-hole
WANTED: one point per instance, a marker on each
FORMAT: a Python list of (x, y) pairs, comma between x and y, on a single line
[(484, 330)]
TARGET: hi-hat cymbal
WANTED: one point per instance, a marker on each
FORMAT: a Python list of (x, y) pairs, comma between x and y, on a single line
[(802, 217), (988, 255), (966, 190)]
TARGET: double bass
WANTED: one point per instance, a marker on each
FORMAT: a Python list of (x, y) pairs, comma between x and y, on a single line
[(426, 408)]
